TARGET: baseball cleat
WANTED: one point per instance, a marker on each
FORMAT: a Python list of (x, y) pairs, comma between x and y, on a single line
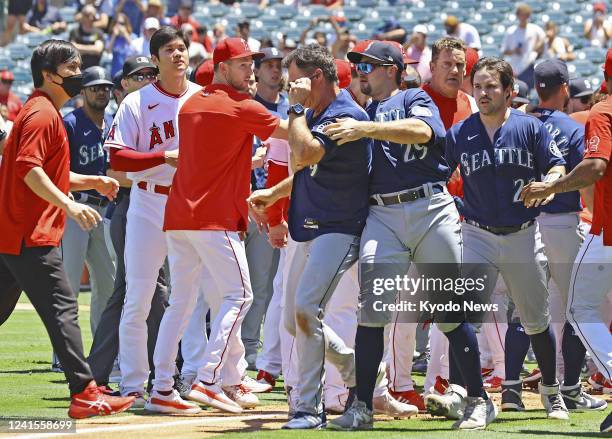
[(577, 399), (440, 385), (242, 396), (606, 425), (264, 377), (306, 421), (139, 400), (450, 405), (478, 413), (356, 417), (532, 380), (115, 375), (599, 383), (493, 384), (255, 386), (212, 395), (182, 384), (420, 363), (92, 402), (486, 371), (410, 397), (170, 404), (387, 405), (553, 402), (511, 396)]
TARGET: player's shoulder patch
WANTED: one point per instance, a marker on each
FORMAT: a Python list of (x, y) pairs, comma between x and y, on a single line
[(421, 111), (554, 149), (319, 127)]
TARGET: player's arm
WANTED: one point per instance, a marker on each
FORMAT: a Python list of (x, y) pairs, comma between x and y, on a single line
[(405, 131), (261, 199), (105, 185), (90, 49), (305, 148), (120, 176), (588, 196)]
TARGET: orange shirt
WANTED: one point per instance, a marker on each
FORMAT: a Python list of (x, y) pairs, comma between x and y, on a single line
[(580, 116), (598, 144), (213, 177), (38, 138)]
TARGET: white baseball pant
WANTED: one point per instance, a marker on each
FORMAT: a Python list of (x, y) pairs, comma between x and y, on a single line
[(224, 256)]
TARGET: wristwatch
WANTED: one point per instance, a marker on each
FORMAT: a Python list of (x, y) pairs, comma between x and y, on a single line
[(297, 109)]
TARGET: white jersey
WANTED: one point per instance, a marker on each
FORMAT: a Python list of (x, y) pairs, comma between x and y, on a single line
[(147, 121)]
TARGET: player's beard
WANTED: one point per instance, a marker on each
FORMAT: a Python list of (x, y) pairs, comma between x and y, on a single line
[(94, 104), (366, 88)]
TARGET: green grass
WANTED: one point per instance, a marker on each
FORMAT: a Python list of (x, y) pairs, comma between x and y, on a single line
[(28, 388)]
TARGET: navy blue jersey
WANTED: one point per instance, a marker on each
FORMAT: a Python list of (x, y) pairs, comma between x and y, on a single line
[(332, 196), (494, 174), (569, 136), (396, 167)]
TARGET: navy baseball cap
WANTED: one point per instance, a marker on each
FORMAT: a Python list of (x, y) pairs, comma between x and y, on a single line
[(550, 72), (378, 52), (522, 92), (269, 53), (95, 75), (580, 87), (136, 63)]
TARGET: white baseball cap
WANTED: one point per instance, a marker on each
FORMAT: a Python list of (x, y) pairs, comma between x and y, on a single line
[(421, 29), (151, 23)]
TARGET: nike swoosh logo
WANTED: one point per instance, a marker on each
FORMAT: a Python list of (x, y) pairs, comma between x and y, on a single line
[(87, 133), (150, 107), (472, 137)]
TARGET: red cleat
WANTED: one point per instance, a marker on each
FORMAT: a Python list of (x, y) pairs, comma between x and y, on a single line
[(441, 385), (409, 397), (485, 372), (266, 377), (493, 384), (600, 384), (93, 402), (532, 380)]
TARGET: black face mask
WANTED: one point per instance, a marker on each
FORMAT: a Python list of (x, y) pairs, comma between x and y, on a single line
[(72, 85)]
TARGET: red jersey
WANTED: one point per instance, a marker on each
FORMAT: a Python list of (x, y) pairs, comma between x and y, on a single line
[(598, 144), (13, 104), (213, 177), (38, 139), (580, 116), (452, 111)]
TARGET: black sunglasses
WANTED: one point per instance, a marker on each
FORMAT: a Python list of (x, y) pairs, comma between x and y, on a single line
[(7, 81), (98, 88), (139, 77)]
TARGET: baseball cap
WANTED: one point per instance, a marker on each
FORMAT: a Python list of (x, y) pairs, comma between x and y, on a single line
[(471, 58), (550, 72), (269, 53), (420, 29), (136, 63), (608, 64), (186, 4), (580, 87), (389, 25), (7, 75), (379, 51), (204, 73), (154, 3), (599, 7), (451, 20), (96, 75), (151, 23), (407, 60), (232, 48), (290, 43), (344, 73), (522, 91)]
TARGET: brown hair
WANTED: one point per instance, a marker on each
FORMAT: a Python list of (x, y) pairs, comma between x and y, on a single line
[(498, 65), (446, 43)]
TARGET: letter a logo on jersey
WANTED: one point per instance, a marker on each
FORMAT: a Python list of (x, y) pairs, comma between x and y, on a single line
[(155, 136), (111, 133)]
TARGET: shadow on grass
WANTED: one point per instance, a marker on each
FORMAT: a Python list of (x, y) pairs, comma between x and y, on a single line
[(25, 371), (563, 433)]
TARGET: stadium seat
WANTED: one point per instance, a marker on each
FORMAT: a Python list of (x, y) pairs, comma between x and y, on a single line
[(353, 13), (284, 11), (249, 10), (67, 13), (216, 10)]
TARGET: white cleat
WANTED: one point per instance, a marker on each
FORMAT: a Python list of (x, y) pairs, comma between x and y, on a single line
[(213, 395), (477, 415), (170, 404), (450, 404), (242, 396), (256, 386), (389, 406), (553, 402)]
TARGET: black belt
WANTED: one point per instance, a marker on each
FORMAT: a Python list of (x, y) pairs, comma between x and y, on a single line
[(405, 196), (84, 197), (501, 230)]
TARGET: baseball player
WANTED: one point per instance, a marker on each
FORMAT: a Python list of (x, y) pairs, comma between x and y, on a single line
[(203, 216), (500, 150), (562, 234), (412, 218), (143, 141), (590, 280), (35, 179), (327, 212), (137, 72)]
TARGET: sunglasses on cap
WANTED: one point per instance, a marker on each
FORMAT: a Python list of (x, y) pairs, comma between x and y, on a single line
[(139, 77), (367, 68), (98, 88), (7, 81)]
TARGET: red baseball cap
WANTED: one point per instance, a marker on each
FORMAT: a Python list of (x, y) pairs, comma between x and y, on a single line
[(205, 73), (7, 75), (344, 73), (407, 59), (599, 7), (604, 88), (471, 58), (232, 48), (608, 64)]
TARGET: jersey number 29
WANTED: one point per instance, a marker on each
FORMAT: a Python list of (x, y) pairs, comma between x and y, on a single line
[(414, 152), (519, 183)]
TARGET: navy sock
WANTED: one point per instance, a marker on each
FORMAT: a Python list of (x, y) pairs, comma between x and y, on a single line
[(517, 345), (369, 346), (454, 371), (544, 347), (573, 355), (462, 340)]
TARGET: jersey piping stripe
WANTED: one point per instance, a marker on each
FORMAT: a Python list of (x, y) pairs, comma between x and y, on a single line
[(575, 324), (393, 380), (229, 241), (170, 95), (118, 145)]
